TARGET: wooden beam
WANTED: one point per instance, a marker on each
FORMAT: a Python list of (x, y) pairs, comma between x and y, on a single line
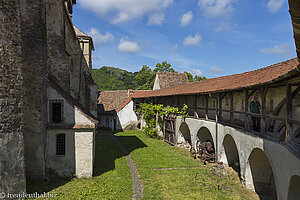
[(195, 102), (231, 107), (279, 106), (263, 94), (247, 126), (251, 93), (206, 107), (220, 107), (289, 114)]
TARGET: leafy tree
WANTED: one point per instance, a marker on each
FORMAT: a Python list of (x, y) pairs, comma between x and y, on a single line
[(163, 67), (190, 76), (145, 78), (199, 78)]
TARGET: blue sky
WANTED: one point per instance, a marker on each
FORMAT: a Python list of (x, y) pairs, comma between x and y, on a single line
[(205, 37)]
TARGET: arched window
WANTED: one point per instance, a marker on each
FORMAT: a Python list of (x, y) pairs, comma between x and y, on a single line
[(60, 144)]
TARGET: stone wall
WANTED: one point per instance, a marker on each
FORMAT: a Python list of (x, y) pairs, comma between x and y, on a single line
[(12, 167), (34, 48)]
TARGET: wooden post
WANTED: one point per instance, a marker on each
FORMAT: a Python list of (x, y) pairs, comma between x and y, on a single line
[(220, 107), (247, 127), (195, 103), (231, 107), (289, 113), (263, 94), (206, 107)]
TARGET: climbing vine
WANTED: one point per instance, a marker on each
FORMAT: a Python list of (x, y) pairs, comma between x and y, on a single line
[(150, 111)]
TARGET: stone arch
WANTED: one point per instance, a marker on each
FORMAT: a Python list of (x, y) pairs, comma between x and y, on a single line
[(294, 188), (231, 155), (259, 175), (204, 134), (185, 132)]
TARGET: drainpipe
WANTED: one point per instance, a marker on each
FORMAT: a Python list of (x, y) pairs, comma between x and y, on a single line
[(217, 149)]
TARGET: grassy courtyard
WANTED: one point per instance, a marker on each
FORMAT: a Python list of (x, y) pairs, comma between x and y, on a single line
[(167, 173)]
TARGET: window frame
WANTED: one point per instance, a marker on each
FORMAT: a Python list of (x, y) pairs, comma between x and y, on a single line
[(51, 102), (60, 148)]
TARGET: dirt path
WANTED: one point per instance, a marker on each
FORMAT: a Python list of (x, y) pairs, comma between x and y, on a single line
[(137, 184)]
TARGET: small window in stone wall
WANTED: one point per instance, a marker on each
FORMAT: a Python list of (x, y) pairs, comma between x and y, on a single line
[(56, 111), (60, 144), (213, 103), (107, 122), (271, 105)]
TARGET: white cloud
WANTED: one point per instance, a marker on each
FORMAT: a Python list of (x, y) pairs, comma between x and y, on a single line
[(100, 38), (174, 48), (186, 18), (156, 19), (275, 5), (197, 72), (216, 8), (127, 46), (125, 10), (215, 70), (192, 41), (284, 50)]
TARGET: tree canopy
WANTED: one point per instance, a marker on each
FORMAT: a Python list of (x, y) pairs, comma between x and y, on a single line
[(110, 78)]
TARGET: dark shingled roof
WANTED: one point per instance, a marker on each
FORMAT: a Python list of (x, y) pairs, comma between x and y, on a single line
[(111, 100), (258, 77), (171, 79)]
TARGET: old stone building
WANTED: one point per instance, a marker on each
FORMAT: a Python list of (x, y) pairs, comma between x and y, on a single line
[(48, 99), (109, 114)]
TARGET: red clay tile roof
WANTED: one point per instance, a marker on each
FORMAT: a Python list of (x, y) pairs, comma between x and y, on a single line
[(225, 83), (111, 100), (171, 79)]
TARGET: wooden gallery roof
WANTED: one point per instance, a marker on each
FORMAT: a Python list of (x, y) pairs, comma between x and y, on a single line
[(258, 77)]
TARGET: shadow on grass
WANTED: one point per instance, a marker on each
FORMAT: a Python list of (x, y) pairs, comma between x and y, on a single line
[(106, 152)]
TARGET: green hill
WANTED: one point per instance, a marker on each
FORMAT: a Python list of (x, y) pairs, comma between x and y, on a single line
[(111, 78)]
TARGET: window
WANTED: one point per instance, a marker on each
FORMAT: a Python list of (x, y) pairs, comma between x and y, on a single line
[(107, 122), (60, 144), (56, 111)]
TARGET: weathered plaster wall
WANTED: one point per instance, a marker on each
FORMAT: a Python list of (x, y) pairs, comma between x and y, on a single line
[(12, 161), (68, 108), (246, 143), (156, 83), (79, 154), (84, 153), (127, 115), (62, 165)]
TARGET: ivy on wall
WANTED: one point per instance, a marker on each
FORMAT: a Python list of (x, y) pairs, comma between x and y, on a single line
[(150, 111)]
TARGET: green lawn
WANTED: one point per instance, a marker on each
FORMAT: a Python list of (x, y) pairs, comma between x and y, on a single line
[(191, 183), (153, 158)]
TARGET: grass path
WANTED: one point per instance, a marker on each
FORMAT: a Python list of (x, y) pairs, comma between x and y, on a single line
[(167, 172), (137, 184)]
